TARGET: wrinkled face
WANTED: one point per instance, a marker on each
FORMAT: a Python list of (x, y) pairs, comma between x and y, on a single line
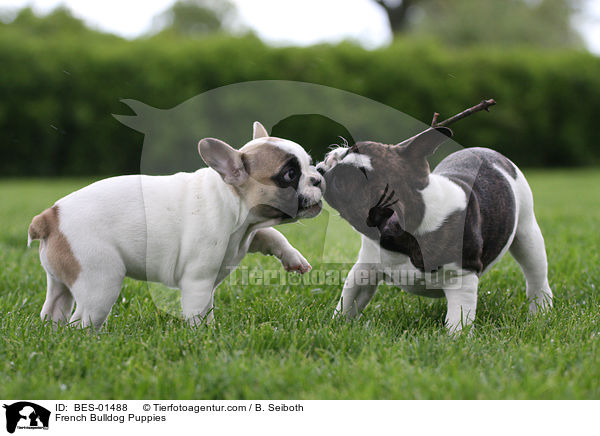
[(282, 184), (357, 178), (274, 177)]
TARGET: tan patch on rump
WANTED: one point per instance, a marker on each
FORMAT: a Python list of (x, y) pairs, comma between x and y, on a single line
[(61, 259)]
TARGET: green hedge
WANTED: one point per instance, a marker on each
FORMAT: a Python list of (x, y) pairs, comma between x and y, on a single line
[(58, 94)]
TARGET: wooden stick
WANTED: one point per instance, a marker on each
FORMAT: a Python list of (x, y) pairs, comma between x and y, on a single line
[(483, 106)]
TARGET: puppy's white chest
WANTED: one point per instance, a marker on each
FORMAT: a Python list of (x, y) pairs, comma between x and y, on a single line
[(237, 248)]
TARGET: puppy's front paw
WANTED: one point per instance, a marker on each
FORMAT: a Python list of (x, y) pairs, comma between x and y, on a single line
[(294, 261)]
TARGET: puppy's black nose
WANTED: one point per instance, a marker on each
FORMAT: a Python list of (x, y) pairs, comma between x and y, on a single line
[(316, 181), (320, 170)]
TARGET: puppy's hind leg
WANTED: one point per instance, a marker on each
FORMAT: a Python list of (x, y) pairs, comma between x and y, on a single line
[(95, 293), (529, 251), (59, 302)]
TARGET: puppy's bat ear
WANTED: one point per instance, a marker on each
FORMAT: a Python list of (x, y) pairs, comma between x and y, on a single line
[(224, 159), (427, 142), (259, 131)]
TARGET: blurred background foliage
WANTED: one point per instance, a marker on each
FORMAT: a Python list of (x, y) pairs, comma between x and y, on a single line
[(463, 23), (60, 81)]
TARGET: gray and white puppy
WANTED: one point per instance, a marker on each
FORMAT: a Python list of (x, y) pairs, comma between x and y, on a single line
[(420, 227)]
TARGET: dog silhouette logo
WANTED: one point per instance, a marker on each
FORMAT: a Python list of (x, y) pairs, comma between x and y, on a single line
[(26, 415)]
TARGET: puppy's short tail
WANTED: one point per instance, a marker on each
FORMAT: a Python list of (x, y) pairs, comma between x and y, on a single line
[(40, 226)]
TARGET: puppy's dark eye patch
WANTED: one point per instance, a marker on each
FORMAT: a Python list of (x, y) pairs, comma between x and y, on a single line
[(289, 174)]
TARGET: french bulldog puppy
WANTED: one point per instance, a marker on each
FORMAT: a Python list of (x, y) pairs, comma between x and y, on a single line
[(434, 233), (186, 230)]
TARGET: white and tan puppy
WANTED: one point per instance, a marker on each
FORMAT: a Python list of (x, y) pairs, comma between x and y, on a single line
[(187, 230)]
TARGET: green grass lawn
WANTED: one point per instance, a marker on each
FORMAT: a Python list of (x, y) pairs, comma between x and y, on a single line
[(279, 341)]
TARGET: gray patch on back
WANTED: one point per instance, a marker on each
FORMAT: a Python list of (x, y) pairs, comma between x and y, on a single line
[(492, 203), (468, 161)]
